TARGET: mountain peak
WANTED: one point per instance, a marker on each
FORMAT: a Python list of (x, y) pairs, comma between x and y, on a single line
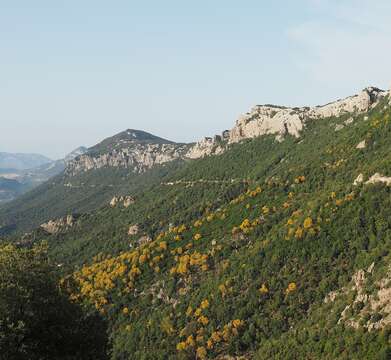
[(143, 136), (125, 139)]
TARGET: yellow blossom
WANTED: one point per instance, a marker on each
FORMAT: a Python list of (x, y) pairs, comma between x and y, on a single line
[(204, 304), (291, 287), (307, 223), (201, 353), (181, 346), (263, 289), (197, 236)]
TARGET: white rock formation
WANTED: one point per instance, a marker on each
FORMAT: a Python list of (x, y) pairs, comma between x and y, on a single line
[(125, 200), (359, 179), (361, 145), (133, 230), (207, 146), (139, 156), (114, 201), (54, 226), (145, 239), (279, 121), (378, 178)]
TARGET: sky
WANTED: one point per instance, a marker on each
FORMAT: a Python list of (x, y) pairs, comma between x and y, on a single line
[(77, 71)]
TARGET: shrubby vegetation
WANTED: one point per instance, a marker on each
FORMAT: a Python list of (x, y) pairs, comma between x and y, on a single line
[(37, 319), (244, 249)]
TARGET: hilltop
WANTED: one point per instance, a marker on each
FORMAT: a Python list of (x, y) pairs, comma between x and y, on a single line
[(270, 241)]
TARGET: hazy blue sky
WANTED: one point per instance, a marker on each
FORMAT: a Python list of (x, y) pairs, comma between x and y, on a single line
[(74, 72)]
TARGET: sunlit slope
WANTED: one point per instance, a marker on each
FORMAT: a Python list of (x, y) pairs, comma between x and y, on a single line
[(244, 248)]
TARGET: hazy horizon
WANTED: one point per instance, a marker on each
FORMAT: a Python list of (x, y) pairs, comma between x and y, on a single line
[(74, 74)]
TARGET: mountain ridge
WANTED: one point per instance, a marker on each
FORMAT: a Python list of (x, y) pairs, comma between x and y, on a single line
[(272, 249), (140, 150), (31, 177), (22, 161)]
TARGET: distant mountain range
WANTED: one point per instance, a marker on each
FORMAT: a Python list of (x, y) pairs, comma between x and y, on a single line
[(22, 161), (22, 172)]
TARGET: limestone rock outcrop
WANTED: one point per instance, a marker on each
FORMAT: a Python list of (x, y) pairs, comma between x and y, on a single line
[(138, 158), (133, 230), (365, 304), (280, 121), (361, 145), (378, 178), (126, 201), (57, 225), (358, 180), (139, 151)]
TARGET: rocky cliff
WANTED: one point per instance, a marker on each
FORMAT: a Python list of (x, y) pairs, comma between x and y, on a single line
[(138, 158), (57, 225), (140, 151), (279, 120)]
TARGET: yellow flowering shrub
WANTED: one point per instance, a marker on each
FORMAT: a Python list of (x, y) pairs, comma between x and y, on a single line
[(197, 237), (263, 289), (307, 223), (291, 287)]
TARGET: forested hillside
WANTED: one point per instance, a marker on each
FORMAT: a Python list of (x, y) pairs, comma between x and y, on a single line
[(273, 249)]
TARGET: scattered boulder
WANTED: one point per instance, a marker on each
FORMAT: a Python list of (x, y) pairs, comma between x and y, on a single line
[(133, 230), (114, 201), (361, 145), (125, 200), (128, 200), (349, 121), (144, 240), (378, 178), (359, 179)]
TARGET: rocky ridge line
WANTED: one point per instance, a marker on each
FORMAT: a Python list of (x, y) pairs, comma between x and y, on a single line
[(260, 120)]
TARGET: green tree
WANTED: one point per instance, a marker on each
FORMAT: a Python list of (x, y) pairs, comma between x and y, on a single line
[(37, 320)]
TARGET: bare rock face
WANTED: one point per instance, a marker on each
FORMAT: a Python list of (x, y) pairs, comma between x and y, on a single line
[(205, 147), (138, 158), (280, 121), (361, 145), (374, 302), (114, 201), (55, 226), (359, 179), (378, 178), (133, 230), (126, 201), (144, 240), (139, 151)]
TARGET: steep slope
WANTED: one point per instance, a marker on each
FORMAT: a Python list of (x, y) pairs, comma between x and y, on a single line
[(135, 150), (236, 254), (90, 179)]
